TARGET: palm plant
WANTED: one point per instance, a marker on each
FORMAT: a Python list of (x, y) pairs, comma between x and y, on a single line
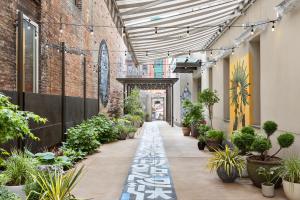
[(239, 93), (55, 185)]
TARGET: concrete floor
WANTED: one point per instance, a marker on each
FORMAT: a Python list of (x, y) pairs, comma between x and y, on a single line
[(105, 172)]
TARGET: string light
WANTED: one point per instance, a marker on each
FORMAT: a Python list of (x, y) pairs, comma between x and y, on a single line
[(168, 53), (220, 29), (92, 30), (60, 25), (211, 53), (124, 29), (232, 52), (189, 53), (252, 30), (146, 53), (188, 30), (156, 30), (273, 26), (28, 26), (125, 53)]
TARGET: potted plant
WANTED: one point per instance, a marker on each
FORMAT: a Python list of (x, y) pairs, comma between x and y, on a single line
[(18, 169), (209, 97), (201, 142), (261, 145), (243, 140), (196, 117), (202, 129), (290, 173), (131, 132), (271, 177), (186, 126), (228, 164), (214, 139)]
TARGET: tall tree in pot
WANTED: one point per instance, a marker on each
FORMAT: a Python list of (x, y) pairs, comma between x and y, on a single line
[(209, 98)]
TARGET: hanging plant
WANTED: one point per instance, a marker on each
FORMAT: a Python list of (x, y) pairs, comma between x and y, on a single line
[(239, 93)]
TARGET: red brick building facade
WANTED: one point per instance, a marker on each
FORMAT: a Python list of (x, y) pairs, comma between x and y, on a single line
[(82, 25)]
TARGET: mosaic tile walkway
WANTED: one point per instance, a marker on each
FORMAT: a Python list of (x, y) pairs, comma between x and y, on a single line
[(149, 176)]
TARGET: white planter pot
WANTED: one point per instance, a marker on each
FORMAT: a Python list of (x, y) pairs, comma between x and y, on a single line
[(268, 190), (19, 190), (245, 170), (291, 190)]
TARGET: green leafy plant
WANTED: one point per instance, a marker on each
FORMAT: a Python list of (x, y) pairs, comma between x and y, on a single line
[(193, 113), (261, 145), (215, 135), (133, 103), (269, 174), (73, 155), (103, 127), (203, 128), (248, 130), (82, 138), (6, 195), (18, 168), (227, 159), (290, 170), (15, 123), (57, 186), (239, 93), (209, 98)]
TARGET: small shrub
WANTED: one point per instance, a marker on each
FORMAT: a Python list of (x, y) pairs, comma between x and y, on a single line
[(270, 127), (261, 144), (6, 195), (242, 141), (248, 130), (215, 135), (82, 138), (286, 140)]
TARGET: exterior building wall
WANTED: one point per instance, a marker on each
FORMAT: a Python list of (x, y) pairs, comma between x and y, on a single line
[(48, 14), (278, 68)]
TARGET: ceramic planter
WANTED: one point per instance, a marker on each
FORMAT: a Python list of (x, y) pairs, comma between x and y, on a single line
[(225, 177), (194, 131), (186, 131), (122, 136), (201, 145), (291, 190), (268, 190), (131, 135), (253, 163), (213, 144), (19, 190)]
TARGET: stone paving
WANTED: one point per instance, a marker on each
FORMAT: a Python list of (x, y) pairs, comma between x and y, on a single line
[(149, 176)]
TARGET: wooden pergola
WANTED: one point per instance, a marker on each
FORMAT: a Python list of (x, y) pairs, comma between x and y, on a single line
[(153, 84)]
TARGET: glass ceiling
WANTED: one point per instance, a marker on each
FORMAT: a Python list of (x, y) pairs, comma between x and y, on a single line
[(158, 28)]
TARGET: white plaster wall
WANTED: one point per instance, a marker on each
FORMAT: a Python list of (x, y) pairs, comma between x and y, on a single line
[(280, 50)]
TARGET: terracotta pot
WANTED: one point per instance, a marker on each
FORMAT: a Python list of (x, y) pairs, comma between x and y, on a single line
[(201, 145), (186, 131), (225, 177), (254, 162), (268, 190), (19, 190), (291, 190), (213, 144)]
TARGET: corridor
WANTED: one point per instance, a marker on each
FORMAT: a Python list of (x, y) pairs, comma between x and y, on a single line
[(108, 174)]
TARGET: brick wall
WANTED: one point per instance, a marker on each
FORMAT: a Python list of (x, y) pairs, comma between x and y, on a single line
[(47, 14)]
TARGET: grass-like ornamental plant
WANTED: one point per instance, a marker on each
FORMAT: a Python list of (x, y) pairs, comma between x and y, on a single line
[(228, 159), (18, 169), (290, 170), (215, 135), (55, 185)]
